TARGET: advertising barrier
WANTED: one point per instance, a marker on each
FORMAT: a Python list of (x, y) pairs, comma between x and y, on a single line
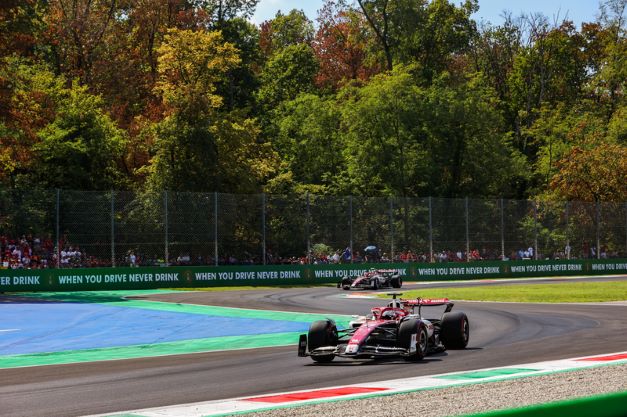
[(98, 279)]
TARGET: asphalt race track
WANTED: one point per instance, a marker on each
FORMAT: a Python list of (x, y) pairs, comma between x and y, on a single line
[(501, 334)]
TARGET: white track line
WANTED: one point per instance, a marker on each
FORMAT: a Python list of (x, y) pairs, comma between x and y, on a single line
[(369, 389)]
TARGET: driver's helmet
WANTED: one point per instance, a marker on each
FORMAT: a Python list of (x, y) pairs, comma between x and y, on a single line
[(389, 315)]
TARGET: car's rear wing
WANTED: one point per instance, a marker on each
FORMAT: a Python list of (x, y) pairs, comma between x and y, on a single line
[(429, 302)]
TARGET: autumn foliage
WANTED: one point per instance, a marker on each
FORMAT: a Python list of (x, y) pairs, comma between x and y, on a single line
[(377, 97)]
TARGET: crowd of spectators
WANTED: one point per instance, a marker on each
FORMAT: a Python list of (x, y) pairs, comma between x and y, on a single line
[(33, 252), (26, 252)]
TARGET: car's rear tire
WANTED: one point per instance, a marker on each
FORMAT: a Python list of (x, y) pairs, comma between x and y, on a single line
[(405, 332), (322, 333), (375, 284), (454, 330)]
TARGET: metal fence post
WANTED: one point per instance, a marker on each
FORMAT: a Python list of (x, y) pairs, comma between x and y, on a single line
[(215, 227), (391, 229), (307, 231), (535, 230), (263, 226), (625, 229), (567, 249), (598, 216), (165, 217), (502, 229), (350, 222), (467, 230), (58, 206), (112, 229), (430, 232)]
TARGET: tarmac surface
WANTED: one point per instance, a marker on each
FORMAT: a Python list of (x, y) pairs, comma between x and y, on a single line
[(501, 334)]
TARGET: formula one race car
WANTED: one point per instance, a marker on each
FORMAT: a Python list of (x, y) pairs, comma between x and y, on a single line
[(373, 279), (397, 330)]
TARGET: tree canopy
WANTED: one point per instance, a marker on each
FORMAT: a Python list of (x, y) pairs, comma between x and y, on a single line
[(373, 97)]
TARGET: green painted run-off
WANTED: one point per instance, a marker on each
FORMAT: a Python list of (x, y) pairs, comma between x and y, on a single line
[(168, 348), (488, 373)]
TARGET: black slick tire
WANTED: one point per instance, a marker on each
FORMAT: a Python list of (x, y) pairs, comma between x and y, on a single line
[(454, 330), (405, 332), (321, 333), (396, 282)]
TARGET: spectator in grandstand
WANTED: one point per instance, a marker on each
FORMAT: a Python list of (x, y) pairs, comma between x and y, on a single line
[(371, 253), (346, 255), (567, 250)]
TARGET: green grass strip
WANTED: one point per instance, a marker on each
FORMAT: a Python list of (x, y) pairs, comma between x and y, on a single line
[(566, 292), (607, 405)]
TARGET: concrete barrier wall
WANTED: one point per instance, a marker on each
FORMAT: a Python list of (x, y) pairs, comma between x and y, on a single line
[(88, 279)]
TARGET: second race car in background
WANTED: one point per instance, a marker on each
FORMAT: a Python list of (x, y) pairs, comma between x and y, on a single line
[(373, 279)]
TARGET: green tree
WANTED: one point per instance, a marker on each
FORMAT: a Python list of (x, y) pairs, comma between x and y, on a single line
[(424, 32), (82, 148), (222, 11), (611, 78), (494, 50), (309, 142), (433, 34), (242, 81), (197, 147), (222, 156), (285, 30), (28, 102), (287, 74), (444, 140), (385, 147)]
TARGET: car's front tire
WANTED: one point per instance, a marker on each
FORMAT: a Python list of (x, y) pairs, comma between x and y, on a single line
[(405, 332), (322, 333)]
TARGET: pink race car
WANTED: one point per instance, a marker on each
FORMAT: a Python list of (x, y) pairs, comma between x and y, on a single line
[(395, 330)]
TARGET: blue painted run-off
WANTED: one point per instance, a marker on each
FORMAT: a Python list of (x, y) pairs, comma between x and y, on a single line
[(56, 327)]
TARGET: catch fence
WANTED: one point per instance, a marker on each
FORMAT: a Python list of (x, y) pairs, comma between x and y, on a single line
[(81, 229)]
